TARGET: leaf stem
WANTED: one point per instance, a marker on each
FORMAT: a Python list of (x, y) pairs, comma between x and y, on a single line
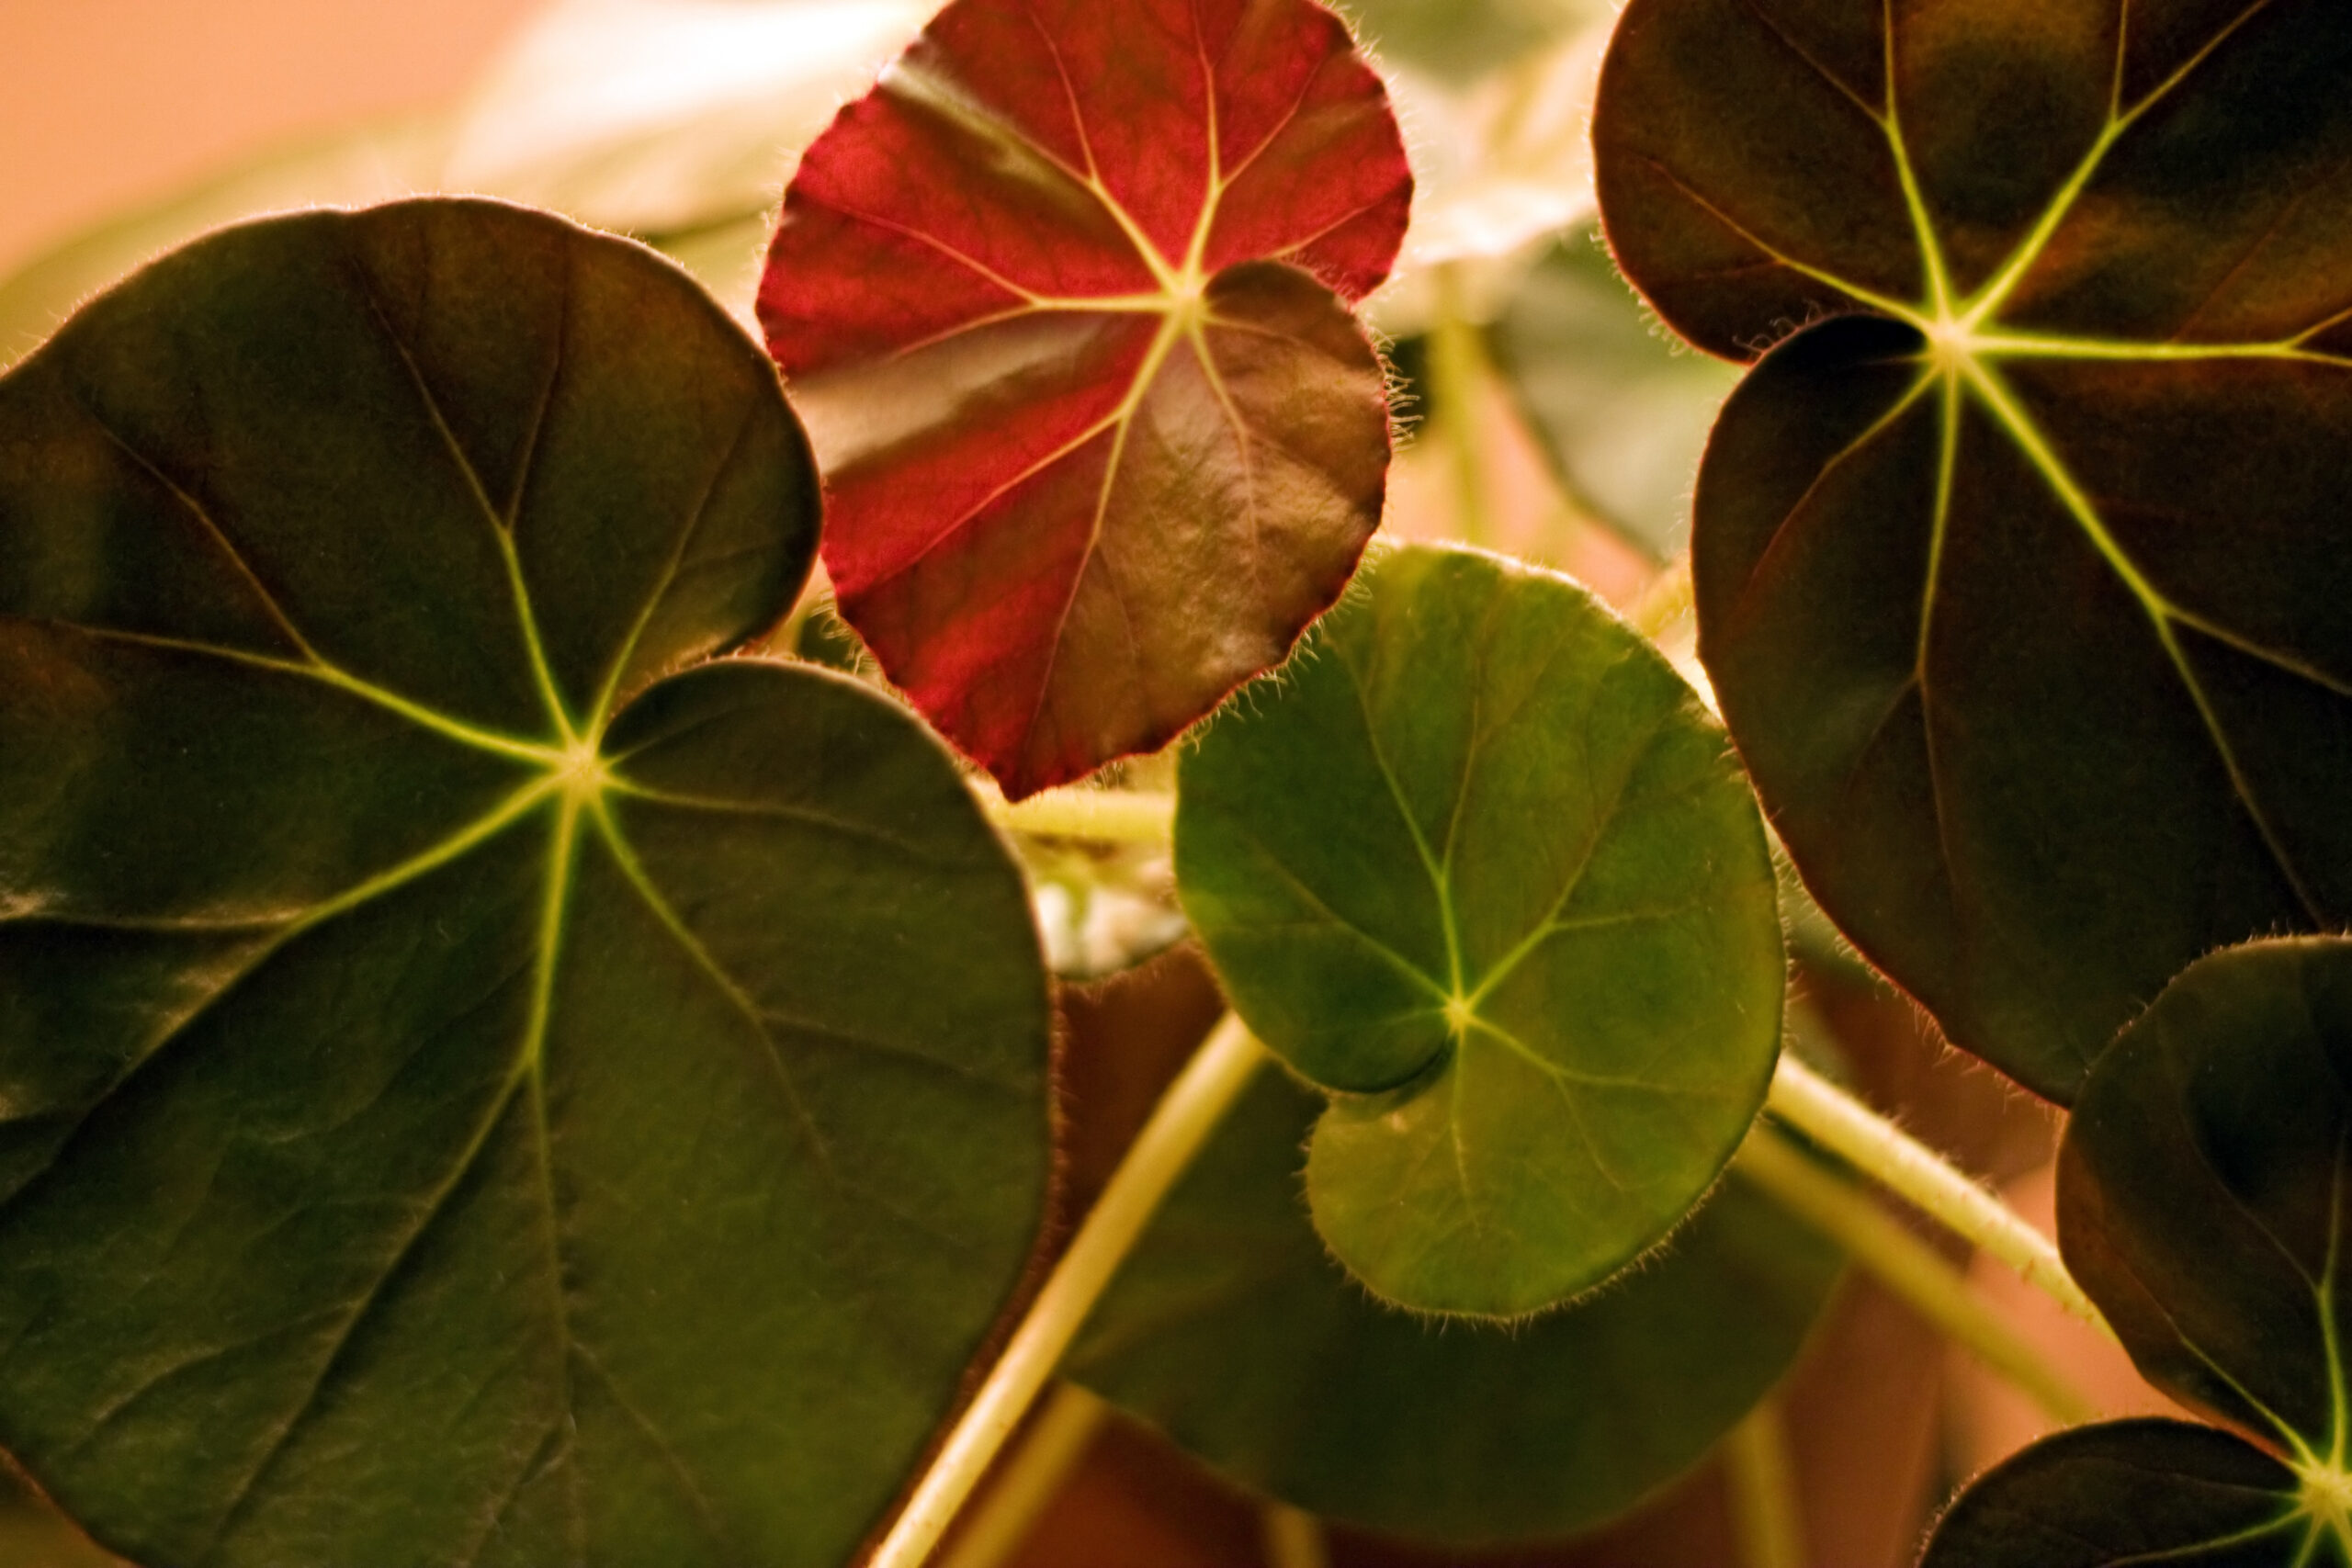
[(1924, 1179), (1292, 1537), (1190, 1109), (1055, 1443), (1847, 1215), (1105, 816), (1458, 380), (1762, 1480)]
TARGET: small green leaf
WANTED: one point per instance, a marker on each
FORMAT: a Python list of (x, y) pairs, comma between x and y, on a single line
[(474, 1086), (1230, 1329), (1481, 866), (2020, 578), (1622, 414), (2130, 1493)]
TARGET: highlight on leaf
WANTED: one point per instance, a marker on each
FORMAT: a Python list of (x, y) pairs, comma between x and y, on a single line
[(2019, 578), (1482, 868), (1065, 302)]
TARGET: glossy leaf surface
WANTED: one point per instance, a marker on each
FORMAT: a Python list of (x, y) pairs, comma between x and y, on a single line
[(1482, 867), (1621, 414), (2023, 593), (2127, 1493), (1233, 1332), (1095, 452), (476, 1086)]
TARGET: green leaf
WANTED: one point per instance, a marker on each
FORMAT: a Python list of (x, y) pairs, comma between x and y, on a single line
[(2201, 1202), (1230, 1330), (476, 1086), (1482, 867), (1621, 414), (2131, 1492), (2022, 583)]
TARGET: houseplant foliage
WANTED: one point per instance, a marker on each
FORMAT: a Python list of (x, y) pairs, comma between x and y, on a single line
[(398, 890), (2201, 1201), (1540, 972), (1064, 300), (2032, 542), (494, 1070)]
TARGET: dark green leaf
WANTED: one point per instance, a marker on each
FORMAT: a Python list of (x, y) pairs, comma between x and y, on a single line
[(2201, 1202), (2200, 1189), (2024, 594), (2131, 1492), (1622, 414), (476, 1086), (1232, 1331), (1481, 866)]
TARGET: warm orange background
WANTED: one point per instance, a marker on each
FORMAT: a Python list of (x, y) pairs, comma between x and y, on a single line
[(103, 102)]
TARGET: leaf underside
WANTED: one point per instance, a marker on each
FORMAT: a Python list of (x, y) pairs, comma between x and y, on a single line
[(2023, 591), (1231, 1330), (472, 1088), (1065, 302), (1481, 867), (2201, 1202)]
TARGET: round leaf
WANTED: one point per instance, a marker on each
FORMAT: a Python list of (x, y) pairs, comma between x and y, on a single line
[(2200, 1190), (1482, 867), (2132, 1492), (2023, 594), (1230, 1330), (1094, 456), (473, 1085), (1621, 414)]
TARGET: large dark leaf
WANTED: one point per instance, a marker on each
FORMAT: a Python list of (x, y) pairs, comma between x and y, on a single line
[(2123, 1494), (1233, 1332), (470, 1091), (2201, 1202), (1095, 457), (2025, 592), (1483, 867)]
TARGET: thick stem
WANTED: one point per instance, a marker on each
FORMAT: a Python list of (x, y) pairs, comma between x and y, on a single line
[(1187, 1113), (1849, 1215), (1916, 1173), (1103, 816), (1762, 1478), (1051, 1448), (1292, 1537)]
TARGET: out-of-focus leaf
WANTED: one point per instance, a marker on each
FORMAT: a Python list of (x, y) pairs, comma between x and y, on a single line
[(1461, 41), (2201, 1202), (1482, 867), (1102, 907), (356, 168), (2022, 582), (1230, 1330), (1622, 413), (1094, 456), (652, 115), (473, 1086), (674, 120)]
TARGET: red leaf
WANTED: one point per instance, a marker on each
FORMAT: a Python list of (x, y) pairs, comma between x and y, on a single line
[(1092, 464)]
